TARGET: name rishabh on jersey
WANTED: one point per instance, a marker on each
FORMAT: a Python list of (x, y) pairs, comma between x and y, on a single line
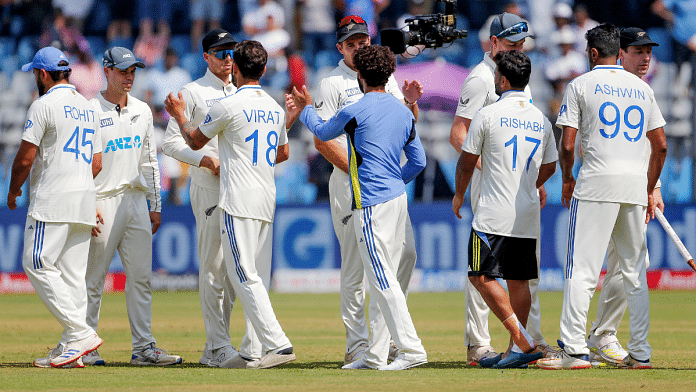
[(612, 110), (64, 126), (250, 125)]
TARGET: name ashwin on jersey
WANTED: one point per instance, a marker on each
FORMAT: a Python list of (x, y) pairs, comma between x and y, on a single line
[(606, 89), (262, 116)]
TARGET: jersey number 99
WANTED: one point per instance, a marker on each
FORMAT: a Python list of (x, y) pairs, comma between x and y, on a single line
[(609, 109), (75, 141)]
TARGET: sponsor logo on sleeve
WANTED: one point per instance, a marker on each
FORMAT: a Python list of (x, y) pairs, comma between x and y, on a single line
[(208, 119), (29, 124), (564, 109)]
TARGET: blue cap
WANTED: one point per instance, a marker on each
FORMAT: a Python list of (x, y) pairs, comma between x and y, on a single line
[(48, 58)]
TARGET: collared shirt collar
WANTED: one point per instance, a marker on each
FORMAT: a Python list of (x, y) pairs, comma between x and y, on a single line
[(59, 86), (110, 105), (489, 61), (215, 81), (607, 67), (347, 69), (514, 94), (249, 87)]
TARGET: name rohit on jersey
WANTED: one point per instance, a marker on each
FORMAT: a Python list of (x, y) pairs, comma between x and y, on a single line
[(122, 143), (521, 124), (78, 114), (607, 89), (262, 116)]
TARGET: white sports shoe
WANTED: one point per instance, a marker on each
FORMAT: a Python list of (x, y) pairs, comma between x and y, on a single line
[(607, 348), (562, 360), (548, 350), (474, 354), (273, 359), (52, 353), (596, 361), (355, 354), (393, 352), (207, 355), (151, 355), (358, 364), (631, 363), (75, 350), (93, 359), (227, 358), (401, 363)]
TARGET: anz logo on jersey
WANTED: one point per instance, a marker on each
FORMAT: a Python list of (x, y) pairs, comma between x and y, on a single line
[(123, 143)]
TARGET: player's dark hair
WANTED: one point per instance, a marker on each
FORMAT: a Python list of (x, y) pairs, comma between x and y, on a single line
[(60, 75), (375, 64), (515, 66), (604, 38), (250, 57)]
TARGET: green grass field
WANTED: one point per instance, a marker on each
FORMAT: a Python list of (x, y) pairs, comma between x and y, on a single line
[(313, 324)]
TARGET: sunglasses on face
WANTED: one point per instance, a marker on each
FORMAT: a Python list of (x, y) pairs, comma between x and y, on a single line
[(221, 54), (352, 18), (514, 29)]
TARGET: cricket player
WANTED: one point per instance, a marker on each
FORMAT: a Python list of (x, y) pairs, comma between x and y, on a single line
[(215, 289), (635, 55), (340, 88), (252, 138), (617, 118), (128, 181), (61, 151), (515, 143), (379, 127), (507, 32)]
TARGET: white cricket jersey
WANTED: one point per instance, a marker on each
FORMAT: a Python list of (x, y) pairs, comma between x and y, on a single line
[(64, 126), (612, 110), (478, 89), (129, 161), (250, 126), (199, 96), (513, 139), (341, 88)]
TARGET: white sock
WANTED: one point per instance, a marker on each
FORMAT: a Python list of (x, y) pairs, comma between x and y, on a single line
[(526, 335), (516, 349)]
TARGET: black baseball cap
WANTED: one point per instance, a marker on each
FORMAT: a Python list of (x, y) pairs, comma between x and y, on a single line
[(217, 37), (510, 27), (634, 36), (349, 26), (121, 58)]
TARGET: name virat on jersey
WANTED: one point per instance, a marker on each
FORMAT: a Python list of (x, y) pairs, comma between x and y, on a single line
[(262, 116)]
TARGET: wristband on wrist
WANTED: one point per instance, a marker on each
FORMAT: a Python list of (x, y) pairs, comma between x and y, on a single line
[(410, 103)]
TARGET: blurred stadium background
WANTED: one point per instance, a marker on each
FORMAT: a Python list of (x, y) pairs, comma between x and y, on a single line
[(300, 36)]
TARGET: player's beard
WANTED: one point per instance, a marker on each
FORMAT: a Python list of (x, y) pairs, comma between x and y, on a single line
[(41, 86)]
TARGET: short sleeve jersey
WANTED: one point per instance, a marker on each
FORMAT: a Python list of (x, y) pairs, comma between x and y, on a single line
[(250, 126), (129, 160), (514, 139), (64, 126), (341, 88), (478, 89), (612, 110)]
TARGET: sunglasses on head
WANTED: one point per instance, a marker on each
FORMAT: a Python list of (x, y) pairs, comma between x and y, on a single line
[(512, 30), (222, 53), (352, 18)]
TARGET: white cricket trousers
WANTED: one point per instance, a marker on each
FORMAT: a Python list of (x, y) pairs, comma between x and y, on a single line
[(352, 269), (55, 260), (592, 225), (612, 298), (476, 310), (246, 246), (126, 228), (215, 290), (380, 230)]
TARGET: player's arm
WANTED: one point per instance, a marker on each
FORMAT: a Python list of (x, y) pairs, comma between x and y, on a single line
[(324, 131), (193, 136), (150, 169), (412, 93), (471, 99), (546, 170), (567, 159), (96, 164), (460, 127), (21, 167), (658, 142), (415, 156), (465, 170)]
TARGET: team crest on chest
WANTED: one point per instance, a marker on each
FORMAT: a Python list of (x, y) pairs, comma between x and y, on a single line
[(134, 118)]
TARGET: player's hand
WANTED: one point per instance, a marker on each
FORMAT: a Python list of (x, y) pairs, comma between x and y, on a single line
[(12, 199), (412, 91), (568, 188), (100, 221), (175, 106), (293, 111), (542, 197), (457, 202), (478, 163), (156, 219), (659, 203), (650, 212), (301, 98), (211, 164)]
